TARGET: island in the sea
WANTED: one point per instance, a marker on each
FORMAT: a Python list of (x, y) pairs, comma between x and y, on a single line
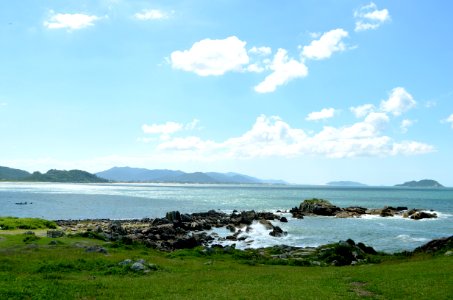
[(425, 183)]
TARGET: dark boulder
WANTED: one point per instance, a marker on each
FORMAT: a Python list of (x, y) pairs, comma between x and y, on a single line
[(319, 207), (423, 215), (283, 219), (173, 216), (296, 213), (441, 244), (277, 232), (267, 224)]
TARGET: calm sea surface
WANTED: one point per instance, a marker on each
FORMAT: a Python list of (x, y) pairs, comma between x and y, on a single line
[(125, 201)]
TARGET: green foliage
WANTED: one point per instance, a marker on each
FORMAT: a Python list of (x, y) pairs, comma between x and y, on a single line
[(31, 238), (9, 223), (77, 176), (90, 235)]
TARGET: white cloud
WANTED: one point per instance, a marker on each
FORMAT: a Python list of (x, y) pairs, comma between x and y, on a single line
[(283, 69), (263, 51), (326, 45), (192, 125), (70, 21), (325, 113), (362, 110), (369, 17), (212, 57), (405, 124), (163, 129), (398, 102), (271, 136), (151, 14), (449, 120)]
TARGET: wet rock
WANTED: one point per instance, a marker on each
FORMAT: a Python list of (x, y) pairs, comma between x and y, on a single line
[(350, 212), (266, 216), (231, 227), (296, 213), (267, 224), (422, 215), (283, 219), (318, 207), (277, 232)]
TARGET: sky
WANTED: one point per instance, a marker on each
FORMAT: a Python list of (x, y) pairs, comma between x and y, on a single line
[(305, 91)]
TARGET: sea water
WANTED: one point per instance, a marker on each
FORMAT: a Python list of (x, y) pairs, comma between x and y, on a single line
[(135, 201)]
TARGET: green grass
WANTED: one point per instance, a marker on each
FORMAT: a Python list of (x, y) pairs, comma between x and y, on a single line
[(9, 223), (37, 270)]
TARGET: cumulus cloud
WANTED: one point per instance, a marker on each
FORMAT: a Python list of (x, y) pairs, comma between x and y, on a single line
[(151, 14), (329, 43), (212, 57), (362, 110), (165, 130), (449, 120), (283, 69), (370, 17), (271, 136), (325, 113), (405, 124), (263, 51), (70, 21), (398, 102)]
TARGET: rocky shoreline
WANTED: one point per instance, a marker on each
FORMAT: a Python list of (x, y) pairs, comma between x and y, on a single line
[(321, 207), (185, 231)]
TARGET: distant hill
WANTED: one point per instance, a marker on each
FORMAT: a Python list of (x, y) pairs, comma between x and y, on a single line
[(76, 176), (421, 183), (127, 174), (12, 174), (345, 183)]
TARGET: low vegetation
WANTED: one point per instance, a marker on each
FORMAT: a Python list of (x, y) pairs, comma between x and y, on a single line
[(9, 223), (77, 267)]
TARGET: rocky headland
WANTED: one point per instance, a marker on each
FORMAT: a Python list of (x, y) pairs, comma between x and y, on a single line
[(321, 207)]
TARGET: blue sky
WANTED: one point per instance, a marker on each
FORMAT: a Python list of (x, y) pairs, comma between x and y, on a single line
[(305, 91)]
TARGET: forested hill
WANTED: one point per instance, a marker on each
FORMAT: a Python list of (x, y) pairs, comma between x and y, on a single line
[(12, 174), (76, 176)]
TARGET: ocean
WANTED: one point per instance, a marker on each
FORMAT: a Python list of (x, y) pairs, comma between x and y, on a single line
[(136, 200)]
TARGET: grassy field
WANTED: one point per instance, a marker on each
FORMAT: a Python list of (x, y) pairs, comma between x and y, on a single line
[(34, 267)]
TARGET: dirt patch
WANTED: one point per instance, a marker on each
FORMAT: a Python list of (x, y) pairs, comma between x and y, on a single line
[(358, 288)]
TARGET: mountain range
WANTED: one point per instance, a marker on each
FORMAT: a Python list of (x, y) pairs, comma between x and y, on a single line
[(128, 174)]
